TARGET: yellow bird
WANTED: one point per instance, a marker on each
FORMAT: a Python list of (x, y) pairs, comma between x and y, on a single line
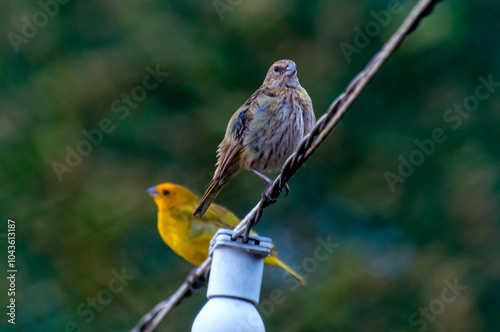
[(190, 236)]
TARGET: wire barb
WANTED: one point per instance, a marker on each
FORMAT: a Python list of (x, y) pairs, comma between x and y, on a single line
[(324, 125)]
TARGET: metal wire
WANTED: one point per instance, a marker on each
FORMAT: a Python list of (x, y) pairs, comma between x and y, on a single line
[(309, 144)]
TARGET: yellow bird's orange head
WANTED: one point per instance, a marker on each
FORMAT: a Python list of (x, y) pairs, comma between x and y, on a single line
[(282, 74), (170, 195)]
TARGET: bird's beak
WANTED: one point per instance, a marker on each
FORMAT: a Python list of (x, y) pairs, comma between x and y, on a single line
[(152, 191), (290, 70)]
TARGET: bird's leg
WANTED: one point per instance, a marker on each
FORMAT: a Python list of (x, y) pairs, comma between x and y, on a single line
[(264, 178), (269, 183)]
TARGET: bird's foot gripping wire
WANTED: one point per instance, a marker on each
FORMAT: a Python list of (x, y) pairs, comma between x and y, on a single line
[(266, 195)]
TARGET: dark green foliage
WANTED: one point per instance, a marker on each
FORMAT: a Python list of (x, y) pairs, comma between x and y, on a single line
[(398, 249)]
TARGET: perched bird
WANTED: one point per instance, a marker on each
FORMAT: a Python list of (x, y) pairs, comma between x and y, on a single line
[(190, 237), (264, 131)]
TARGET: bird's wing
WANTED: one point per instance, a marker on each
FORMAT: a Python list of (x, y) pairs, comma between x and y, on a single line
[(308, 111), (231, 147), (216, 217), (222, 216), (228, 158)]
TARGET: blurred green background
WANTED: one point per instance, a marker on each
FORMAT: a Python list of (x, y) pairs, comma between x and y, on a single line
[(400, 248)]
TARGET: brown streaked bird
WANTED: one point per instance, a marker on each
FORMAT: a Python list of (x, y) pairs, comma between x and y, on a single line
[(264, 131)]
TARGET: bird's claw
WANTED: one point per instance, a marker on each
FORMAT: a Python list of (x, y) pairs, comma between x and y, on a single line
[(266, 196), (287, 189), (269, 183)]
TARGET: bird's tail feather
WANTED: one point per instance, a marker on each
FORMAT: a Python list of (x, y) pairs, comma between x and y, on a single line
[(213, 190), (274, 261)]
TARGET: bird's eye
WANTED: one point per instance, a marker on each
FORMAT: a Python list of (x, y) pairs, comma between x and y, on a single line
[(276, 69), (166, 192)]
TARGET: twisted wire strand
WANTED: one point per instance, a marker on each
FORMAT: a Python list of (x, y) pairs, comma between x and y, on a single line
[(153, 318), (324, 125)]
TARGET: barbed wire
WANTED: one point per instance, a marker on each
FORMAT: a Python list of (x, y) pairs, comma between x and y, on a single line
[(325, 124)]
